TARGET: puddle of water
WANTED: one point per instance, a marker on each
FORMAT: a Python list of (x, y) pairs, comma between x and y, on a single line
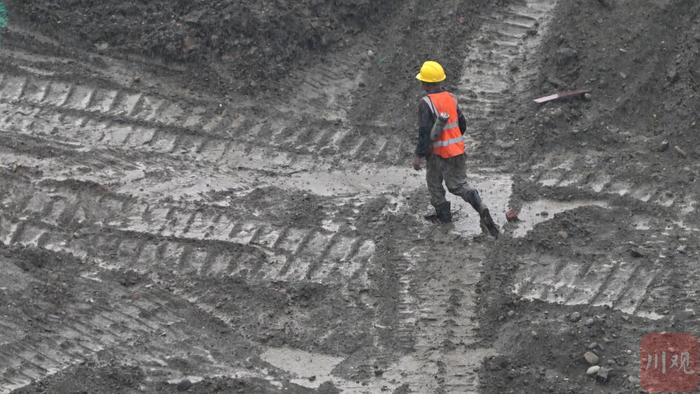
[(364, 179), (331, 226), (495, 191), (187, 187), (641, 223), (191, 378), (650, 315), (303, 365), (534, 212)]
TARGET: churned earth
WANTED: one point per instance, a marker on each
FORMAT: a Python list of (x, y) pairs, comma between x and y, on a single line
[(216, 196)]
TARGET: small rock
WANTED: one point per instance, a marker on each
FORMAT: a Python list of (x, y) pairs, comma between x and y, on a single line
[(664, 146), (566, 55), (592, 370), (680, 151), (574, 317), (555, 81), (591, 358), (672, 75), (589, 322), (636, 253), (327, 388), (587, 96), (189, 44), (623, 75), (593, 345), (101, 46), (602, 374), (370, 53), (511, 313), (184, 385), (505, 145)]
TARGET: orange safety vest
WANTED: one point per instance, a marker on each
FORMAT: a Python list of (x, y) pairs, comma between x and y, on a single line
[(451, 142)]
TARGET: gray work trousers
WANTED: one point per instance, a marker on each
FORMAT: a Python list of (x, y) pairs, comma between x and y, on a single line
[(453, 171)]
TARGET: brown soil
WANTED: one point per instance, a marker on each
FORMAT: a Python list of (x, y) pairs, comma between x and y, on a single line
[(188, 186), (253, 44)]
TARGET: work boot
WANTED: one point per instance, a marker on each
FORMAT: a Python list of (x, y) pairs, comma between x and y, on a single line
[(486, 222), (443, 214)]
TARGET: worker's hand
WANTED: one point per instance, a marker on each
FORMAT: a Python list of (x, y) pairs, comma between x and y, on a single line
[(418, 163)]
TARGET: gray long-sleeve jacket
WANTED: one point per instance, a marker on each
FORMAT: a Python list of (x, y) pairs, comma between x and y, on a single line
[(426, 118)]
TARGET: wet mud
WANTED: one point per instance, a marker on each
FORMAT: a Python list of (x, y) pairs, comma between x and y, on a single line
[(217, 198)]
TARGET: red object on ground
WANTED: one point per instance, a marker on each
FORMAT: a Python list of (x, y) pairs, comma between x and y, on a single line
[(669, 362), (561, 95), (512, 215)]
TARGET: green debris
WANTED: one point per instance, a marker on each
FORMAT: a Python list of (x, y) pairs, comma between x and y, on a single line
[(3, 15)]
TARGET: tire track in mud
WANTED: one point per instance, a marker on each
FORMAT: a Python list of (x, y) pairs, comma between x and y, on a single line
[(437, 305), (495, 70), (439, 312), (42, 340), (58, 219), (498, 65), (92, 225), (76, 337), (206, 241), (619, 284), (326, 89), (583, 172), (632, 285), (132, 120), (228, 158), (18, 38), (438, 320), (643, 274)]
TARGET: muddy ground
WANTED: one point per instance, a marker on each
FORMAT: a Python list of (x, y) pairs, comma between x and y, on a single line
[(215, 196), (251, 46)]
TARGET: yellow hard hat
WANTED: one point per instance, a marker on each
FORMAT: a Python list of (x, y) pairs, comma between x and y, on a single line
[(431, 72)]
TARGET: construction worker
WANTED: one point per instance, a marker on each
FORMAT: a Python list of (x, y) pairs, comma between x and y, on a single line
[(445, 153)]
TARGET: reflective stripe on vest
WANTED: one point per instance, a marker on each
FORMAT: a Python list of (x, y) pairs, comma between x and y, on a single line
[(451, 125), (451, 142)]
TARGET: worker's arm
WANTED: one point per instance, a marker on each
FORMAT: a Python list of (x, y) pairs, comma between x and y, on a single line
[(425, 123), (462, 121)]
